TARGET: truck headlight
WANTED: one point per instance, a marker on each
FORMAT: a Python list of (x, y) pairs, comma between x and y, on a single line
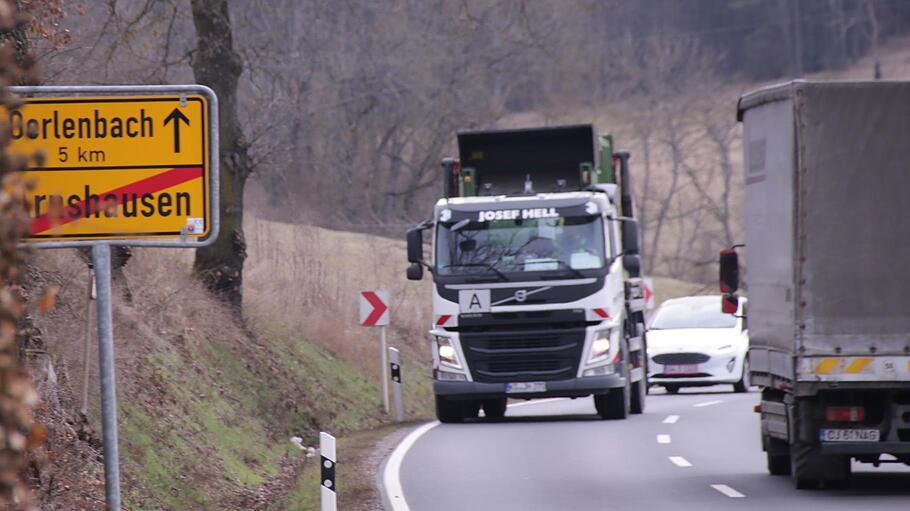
[(448, 355), (600, 346)]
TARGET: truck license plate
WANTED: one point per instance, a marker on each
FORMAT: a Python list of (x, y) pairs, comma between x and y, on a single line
[(526, 387), (849, 435), (681, 369)]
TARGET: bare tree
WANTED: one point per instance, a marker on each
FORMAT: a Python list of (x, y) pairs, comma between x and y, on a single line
[(217, 64)]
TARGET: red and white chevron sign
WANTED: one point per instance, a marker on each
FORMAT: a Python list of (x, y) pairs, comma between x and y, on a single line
[(374, 308)]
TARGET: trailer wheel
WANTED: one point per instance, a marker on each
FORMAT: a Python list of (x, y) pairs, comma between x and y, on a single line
[(671, 388), (448, 411), (778, 453), (639, 390), (809, 469), (494, 408), (803, 471)]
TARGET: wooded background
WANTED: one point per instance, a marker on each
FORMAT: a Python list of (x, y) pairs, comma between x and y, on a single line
[(344, 108)]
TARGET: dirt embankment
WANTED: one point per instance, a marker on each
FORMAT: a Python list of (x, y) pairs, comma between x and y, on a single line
[(209, 398)]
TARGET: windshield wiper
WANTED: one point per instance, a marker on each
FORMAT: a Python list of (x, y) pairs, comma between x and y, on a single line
[(569, 267), (498, 273)]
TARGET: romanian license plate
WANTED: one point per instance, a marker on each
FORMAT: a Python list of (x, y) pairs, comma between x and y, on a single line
[(681, 369), (849, 435), (526, 387)]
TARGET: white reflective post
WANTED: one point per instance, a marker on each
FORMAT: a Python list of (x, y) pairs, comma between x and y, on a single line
[(395, 369), (384, 375), (328, 491)]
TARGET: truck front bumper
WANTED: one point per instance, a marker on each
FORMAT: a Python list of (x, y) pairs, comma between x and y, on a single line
[(575, 387)]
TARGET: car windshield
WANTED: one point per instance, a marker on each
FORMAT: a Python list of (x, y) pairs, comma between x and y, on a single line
[(564, 244), (700, 312)]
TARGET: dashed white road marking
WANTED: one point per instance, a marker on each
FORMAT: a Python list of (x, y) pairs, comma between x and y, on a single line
[(663, 439), (679, 461), (708, 403), (392, 474), (726, 490), (671, 419)]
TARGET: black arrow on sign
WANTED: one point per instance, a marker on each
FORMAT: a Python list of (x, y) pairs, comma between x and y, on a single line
[(176, 116)]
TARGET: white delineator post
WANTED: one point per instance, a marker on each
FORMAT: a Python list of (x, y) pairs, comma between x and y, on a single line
[(395, 369), (328, 490), (384, 375)]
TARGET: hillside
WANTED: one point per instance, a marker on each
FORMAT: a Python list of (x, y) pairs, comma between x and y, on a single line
[(208, 402), (209, 397)]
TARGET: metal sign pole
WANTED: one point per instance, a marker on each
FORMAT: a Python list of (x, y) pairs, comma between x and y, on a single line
[(86, 365), (101, 257), (384, 375)]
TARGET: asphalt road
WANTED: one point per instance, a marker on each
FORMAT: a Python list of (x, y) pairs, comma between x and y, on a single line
[(697, 450)]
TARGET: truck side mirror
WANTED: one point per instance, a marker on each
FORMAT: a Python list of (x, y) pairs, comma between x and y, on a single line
[(630, 236), (729, 271), (632, 264), (415, 271), (729, 303), (415, 246)]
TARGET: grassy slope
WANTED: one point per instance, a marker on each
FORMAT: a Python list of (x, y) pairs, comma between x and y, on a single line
[(207, 406)]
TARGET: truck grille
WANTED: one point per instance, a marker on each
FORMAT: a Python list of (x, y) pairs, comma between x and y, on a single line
[(533, 346), (681, 358)]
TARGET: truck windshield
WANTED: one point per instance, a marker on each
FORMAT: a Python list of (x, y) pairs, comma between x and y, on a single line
[(562, 244)]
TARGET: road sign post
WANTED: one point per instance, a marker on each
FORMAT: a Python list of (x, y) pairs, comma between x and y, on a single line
[(374, 311), (395, 370), (101, 258), (116, 169)]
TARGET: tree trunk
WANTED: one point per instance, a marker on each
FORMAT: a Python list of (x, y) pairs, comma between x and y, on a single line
[(217, 65)]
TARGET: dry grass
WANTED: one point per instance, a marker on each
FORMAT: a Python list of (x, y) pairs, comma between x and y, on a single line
[(312, 278)]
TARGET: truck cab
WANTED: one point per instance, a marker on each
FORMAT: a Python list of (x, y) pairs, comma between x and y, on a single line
[(532, 290)]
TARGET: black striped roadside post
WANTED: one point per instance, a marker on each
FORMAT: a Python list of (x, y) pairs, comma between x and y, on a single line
[(395, 371), (327, 457)]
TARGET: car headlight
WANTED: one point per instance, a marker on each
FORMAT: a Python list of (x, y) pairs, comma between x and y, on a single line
[(600, 346), (448, 355)]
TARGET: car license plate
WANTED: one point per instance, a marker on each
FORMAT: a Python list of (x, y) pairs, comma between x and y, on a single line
[(526, 387), (681, 369), (849, 435)]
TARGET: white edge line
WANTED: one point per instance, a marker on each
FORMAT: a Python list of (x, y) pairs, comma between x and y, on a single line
[(538, 401), (391, 477), (726, 490), (679, 461), (671, 419), (663, 439), (708, 403)]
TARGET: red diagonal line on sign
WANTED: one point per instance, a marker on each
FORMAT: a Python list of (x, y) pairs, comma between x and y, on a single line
[(153, 184), (379, 308)]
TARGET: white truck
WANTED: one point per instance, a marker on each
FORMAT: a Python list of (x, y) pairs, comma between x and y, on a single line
[(536, 274), (827, 220)]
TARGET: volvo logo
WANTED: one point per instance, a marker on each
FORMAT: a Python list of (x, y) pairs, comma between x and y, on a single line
[(521, 295)]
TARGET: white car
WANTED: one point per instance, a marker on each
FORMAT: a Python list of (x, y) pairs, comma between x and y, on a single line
[(692, 343)]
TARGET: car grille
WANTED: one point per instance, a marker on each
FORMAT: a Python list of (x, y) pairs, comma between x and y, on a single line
[(681, 358), (533, 346)]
